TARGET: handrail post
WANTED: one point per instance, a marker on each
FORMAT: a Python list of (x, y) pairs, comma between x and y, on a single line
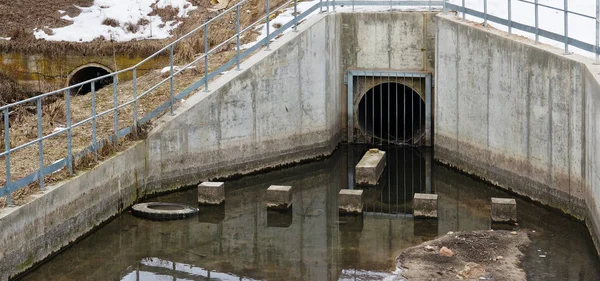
[(206, 58), (509, 16), (7, 158), (321, 6), (116, 112), (597, 32), (237, 32), (566, 27), (268, 23), (135, 104), (295, 15), (171, 59), (69, 132), (485, 13), (464, 10), (40, 142), (537, 25), (445, 9), (94, 139)]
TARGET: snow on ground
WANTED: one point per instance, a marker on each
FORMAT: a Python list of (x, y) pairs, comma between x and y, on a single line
[(579, 27), (288, 14), (89, 24)]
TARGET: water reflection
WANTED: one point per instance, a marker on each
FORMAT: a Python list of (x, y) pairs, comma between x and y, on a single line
[(242, 240)]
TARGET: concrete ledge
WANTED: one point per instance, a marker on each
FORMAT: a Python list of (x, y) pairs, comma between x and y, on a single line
[(370, 167), (504, 210), (425, 205), (211, 193), (350, 201), (279, 197)]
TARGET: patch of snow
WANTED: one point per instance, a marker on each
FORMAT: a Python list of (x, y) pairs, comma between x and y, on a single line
[(5, 38), (175, 69), (580, 28), (88, 26)]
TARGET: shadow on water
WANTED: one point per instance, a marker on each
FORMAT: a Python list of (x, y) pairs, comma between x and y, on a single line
[(241, 240)]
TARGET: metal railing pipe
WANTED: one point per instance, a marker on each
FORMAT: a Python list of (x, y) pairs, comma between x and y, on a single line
[(69, 131), (537, 25), (40, 142), (566, 27), (7, 158)]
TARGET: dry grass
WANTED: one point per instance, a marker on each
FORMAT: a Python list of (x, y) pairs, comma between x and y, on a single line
[(111, 22), (25, 161)]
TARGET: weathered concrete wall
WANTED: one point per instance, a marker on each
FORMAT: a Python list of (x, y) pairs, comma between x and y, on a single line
[(517, 114), (402, 41), (282, 107), (43, 73)]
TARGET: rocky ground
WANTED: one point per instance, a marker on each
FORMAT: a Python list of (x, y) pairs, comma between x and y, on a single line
[(478, 255)]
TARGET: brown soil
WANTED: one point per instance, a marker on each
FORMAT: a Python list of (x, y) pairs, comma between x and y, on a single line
[(475, 256)]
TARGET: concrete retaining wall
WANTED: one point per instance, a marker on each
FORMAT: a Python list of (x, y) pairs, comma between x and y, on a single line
[(519, 115), (283, 107)]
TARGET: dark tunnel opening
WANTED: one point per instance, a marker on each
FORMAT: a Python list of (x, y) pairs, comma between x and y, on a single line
[(86, 74), (392, 112)]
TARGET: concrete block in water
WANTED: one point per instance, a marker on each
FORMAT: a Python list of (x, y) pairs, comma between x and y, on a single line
[(279, 197), (504, 210), (211, 193), (425, 205), (370, 167), (350, 201)]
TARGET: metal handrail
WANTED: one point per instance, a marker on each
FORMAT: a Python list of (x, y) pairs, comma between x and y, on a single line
[(321, 6)]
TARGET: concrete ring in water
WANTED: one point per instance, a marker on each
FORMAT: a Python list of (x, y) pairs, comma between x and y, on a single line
[(163, 211)]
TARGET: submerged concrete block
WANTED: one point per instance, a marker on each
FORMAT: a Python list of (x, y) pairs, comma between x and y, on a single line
[(211, 193), (504, 210), (350, 201), (425, 205), (279, 197), (370, 167)]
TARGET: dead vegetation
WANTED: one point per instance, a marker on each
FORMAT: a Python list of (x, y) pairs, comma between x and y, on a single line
[(24, 119), (111, 22)]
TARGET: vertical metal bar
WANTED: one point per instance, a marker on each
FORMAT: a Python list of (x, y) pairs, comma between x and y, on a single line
[(135, 103), (485, 13), (509, 16), (396, 122), (412, 108), (295, 16), (237, 35), (566, 27), (428, 118), (94, 139), (537, 25), (429, 3), (373, 108), (116, 112), (404, 111), (388, 108), (350, 108), (268, 23), (171, 101), (381, 109), (7, 158), (353, 6), (597, 49), (69, 132), (321, 6), (333, 5), (445, 9), (206, 57), (464, 9), (361, 88), (40, 142)]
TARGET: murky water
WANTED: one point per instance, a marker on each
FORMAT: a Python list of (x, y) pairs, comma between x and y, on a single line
[(241, 240)]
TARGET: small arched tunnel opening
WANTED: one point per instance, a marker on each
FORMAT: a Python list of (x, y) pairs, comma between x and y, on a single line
[(85, 74), (392, 112)]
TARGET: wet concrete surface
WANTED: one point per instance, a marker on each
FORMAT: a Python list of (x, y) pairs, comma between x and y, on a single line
[(242, 240)]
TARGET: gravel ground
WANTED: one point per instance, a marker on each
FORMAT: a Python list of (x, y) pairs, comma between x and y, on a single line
[(478, 255)]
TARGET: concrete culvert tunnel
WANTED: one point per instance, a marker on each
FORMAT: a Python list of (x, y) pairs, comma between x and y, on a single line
[(86, 73), (392, 112)]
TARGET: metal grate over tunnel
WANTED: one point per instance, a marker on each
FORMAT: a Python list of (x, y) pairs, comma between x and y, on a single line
[(389, 107)]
